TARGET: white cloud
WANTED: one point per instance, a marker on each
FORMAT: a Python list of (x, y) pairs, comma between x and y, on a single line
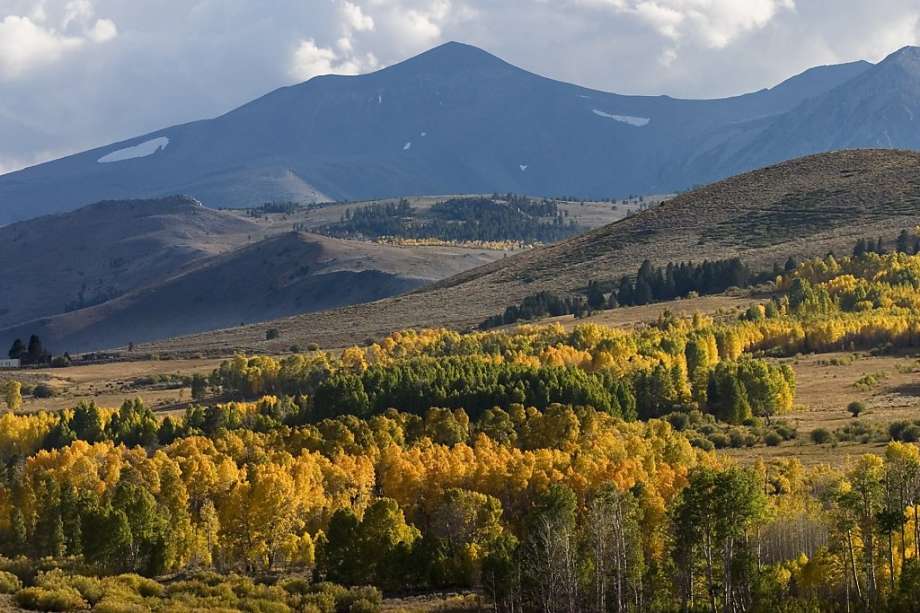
[(79, 11), (104, 30), (355, 18), (311, 60), (713, 23), (25, 45), (31, 42)]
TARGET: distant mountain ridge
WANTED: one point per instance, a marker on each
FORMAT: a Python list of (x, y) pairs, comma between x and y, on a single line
[(457, 119), (116, 272)]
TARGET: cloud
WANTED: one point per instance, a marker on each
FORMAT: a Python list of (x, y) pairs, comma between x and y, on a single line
[(355, 18), (25, 45), (29, 42), (713, 23), (103, 31), (311, 60)]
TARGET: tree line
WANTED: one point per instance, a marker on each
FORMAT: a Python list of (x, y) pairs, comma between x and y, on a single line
[(472, 219), (651, 284)]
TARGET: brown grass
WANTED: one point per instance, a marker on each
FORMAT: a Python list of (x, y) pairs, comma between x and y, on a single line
[(108, 384), (826, 385)]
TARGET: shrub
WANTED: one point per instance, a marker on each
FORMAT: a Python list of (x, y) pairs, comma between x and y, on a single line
[(911, 434), (855, 408), (737, 437), (9, 583), (261, 605), (772, 439), (821, 436), (786, 431), (361, 598), (312, 347), (363, 606), (678, 421), (41, 599), (896, 429), (706, 429), (114, 605), (702, 443), (43, 390), (719, 440), (272, 333), (321, 601), (337, 591), (870, 381), (89, 587), (295, 585), (60, 361), (140, 585)]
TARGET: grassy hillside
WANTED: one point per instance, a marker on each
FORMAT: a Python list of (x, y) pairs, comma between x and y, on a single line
[(801, 208)]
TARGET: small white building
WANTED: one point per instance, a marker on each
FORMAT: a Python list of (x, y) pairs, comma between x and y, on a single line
[(7, 364)]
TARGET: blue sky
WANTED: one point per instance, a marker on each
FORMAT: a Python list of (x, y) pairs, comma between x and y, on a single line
[(81, 73)]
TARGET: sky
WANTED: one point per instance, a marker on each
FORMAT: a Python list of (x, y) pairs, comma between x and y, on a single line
[(76, 74)]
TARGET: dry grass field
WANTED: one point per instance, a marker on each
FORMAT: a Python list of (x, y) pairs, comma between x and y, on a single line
[(727, 304), (826, 384), (109, 384)]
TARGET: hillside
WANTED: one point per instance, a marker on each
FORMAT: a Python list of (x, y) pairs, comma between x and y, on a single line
[(452, 120), (805, 207), (279, 276), (66, 262), (138, 270)]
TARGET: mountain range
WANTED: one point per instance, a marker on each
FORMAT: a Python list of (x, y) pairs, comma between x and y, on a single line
[(459, 120)]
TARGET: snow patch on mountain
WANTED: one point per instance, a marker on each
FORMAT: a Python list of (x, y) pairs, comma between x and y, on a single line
[(137, 151), (628, 119)]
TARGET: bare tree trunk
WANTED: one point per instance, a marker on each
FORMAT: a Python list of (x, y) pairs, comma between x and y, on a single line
[(891, 574), (710, 574), (727, 574), (916, 533), (853, 564)]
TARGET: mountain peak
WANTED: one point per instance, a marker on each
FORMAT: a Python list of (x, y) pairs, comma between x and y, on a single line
[(451, 57), (905, 57)]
